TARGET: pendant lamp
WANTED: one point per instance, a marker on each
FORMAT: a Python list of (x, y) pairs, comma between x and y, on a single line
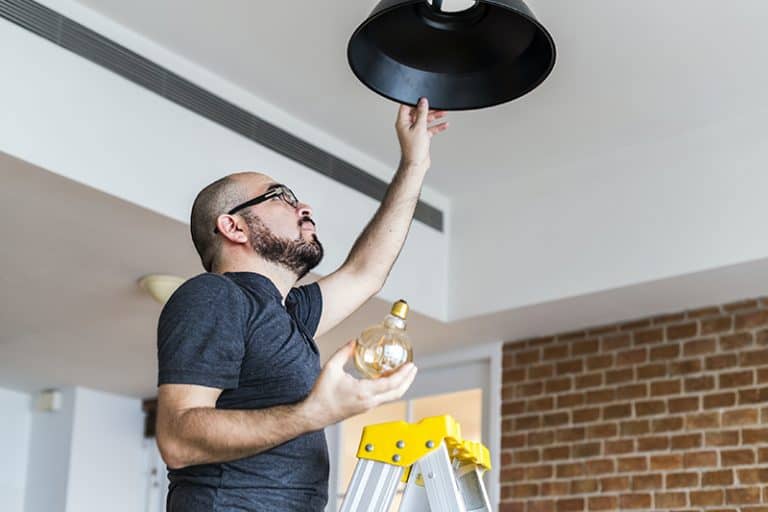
[(493, 52)]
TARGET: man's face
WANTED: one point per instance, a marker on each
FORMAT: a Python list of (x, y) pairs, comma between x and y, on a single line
[(282, 233)]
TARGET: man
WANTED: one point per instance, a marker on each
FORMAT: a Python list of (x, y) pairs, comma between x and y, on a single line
[(243, 400)]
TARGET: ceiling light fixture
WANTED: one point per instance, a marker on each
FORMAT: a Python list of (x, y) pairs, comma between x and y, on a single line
[(492, 52), (160, 286)]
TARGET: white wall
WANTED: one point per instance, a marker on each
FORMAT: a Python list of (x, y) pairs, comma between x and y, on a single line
[(79, 120), (14, 443), (50, 444), (107, 467), (643, 213)]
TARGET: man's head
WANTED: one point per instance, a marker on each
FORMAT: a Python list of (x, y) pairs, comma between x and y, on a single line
[(252, 212)]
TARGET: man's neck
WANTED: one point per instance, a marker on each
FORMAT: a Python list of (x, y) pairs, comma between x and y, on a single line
[(282, 278)]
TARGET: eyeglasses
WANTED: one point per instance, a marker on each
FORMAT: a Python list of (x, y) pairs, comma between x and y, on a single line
[(280, 191)]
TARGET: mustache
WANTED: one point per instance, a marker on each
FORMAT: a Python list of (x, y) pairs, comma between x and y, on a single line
[(307, 219)]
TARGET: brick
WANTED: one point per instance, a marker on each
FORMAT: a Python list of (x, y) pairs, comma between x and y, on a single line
[(742, 496), (736, 341), (542, 371), (652, 444), (526, 457), (648, 337), (570, 504), (632, 391), (616, 342), (619, 447), (530, 389), (684, 367), (716, 325), (570, 400), (669, 424), (752, 476), (740, 417), (754, 436), (614, 484), (698, 384), (686, 441), (603, 329), (668, 318), (603, 502), (517, 407), (753, 396), (570, 336), (681, 480), (635, 428), (541, 438), (512, 375), (555, 352), (573, 366), (649, 408), (558, 385), (634, 501), (586, 415), (737, 379), (592, 380), (618, 376), (585, 450), (555, 420), (669, 500), (720, 438), (600, 466), (570, 470), (600, 362), (651, 371), (762, 455), (700, 460), (761, 337), (527, 422), (717, 478), (706, 498), (682, 331), (630, 357), (512, 474), (646, 482), (524, 490), (721, 362), (632, 464), (617, 411), (741, 305), (718, 400), (678, 405), (567, 435), (701, 421), (584, 486), (666, 462), (703, 312), (541, 404), (635, 324), (583, 348), (751, 320), (665, 352), (554, 489), (737, 457), (539, 472), (515, 441), (754, 357), (556, 453), (603, 431), (528, 357), (666, 387)]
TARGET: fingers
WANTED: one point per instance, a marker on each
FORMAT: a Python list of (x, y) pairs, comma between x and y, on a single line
[(422, 112), (393, 386), (438, 128), (399, 390)]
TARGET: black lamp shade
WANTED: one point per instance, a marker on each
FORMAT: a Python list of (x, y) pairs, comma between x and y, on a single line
[(491, 53)]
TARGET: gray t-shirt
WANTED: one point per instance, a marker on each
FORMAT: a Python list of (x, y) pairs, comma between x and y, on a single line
[(232, 332)]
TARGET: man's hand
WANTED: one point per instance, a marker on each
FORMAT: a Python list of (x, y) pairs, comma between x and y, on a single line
[(414, 133), (337, 395)]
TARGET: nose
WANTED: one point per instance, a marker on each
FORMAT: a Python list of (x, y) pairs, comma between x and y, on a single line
[(304, 210)]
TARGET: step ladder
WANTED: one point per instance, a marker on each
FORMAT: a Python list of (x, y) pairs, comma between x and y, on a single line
[(442, 472)]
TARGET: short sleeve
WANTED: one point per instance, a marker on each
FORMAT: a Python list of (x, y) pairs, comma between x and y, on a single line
[(200, 334), (308, 303)]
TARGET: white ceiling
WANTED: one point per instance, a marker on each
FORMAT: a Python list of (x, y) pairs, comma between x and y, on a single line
[(628, 72)]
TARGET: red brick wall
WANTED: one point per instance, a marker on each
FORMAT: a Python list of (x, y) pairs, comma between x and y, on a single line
[(665, 413)]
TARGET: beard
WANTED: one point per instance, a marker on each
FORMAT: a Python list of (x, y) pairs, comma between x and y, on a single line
[(299, 255)]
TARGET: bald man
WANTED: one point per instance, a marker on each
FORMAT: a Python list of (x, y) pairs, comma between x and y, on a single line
[(243, 399)]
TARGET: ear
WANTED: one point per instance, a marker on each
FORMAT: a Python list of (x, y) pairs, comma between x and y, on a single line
[(230, 228)]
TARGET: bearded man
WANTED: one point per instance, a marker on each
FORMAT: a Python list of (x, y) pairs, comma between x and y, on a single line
[(242, 398)]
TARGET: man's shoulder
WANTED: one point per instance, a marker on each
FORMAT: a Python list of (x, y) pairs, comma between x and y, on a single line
[(205, 288)]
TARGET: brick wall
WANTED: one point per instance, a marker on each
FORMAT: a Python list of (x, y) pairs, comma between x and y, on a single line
[(664, 413)]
